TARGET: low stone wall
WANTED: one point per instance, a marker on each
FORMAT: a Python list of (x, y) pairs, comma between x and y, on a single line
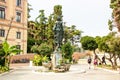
[(24, 58), (82, 61)]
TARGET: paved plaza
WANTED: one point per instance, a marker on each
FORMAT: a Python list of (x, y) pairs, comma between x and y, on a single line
[(77, 72)]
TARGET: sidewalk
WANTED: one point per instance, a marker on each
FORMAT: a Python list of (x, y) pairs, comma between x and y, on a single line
[(77, 72), (113, 71), (84, 61)]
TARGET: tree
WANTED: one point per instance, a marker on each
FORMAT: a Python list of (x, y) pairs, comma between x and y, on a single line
[(6, 53), (115, 5), (9, 28), (114, 52), (50, 34), (110, 25), (41, 26), (57, 12), (43, 49), (67, 51), (110, 44), (72, 34), (89, 43), (32, 35), (37, 31), (29, 9), (115, 48), (41, 30)]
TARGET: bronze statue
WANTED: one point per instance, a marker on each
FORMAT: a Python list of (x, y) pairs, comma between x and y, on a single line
[(58, 37), (58, 32)]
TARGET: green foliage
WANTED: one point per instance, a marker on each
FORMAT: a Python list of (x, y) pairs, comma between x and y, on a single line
[(5, 52), (2, 58), (29, 9), (41, 24), (70, 33), (43, 49), (102, 45), (34, 49), (41, 30), (115, 46), (88, 43), (110, 44), (67, 51), (110, 25), (9, 50), (3, 69), (76, 49), (37, 60), (113, 4), (45, 59), (30, 43), (49, 33), (57, 12)]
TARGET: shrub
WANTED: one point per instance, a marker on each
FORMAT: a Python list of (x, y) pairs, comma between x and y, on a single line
[(67, 51), (37, 60), (3, 69)]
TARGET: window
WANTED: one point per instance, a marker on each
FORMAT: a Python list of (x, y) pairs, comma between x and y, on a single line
[(2, 13), (18, 2), (2, 33), (18, 35), (18, 47), (18, 16)]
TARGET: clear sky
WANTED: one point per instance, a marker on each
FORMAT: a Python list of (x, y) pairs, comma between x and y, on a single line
[(90, 16)]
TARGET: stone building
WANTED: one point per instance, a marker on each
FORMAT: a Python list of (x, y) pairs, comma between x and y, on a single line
[(13, 16)]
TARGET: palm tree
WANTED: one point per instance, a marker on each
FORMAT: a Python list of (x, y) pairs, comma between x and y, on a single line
[(115, 5)]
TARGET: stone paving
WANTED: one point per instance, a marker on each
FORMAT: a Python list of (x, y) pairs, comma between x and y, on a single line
[(77, 72)]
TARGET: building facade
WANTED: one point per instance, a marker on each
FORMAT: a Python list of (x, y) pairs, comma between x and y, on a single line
[(13, 16)]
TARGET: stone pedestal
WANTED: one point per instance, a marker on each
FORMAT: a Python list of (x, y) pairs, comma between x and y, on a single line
[(53, 62), (56, 57)]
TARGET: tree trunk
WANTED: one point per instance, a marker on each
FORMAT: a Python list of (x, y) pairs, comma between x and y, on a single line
[(110, 59), (115, 61), (9, 59), (95, 55), (9, 28), (111, 63)]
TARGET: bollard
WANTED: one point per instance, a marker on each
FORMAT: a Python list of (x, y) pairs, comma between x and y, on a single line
[(30, 63)]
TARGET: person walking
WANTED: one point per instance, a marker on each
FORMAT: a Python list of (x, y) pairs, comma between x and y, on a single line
[(89, 61), (103, 60), (95, 62)]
